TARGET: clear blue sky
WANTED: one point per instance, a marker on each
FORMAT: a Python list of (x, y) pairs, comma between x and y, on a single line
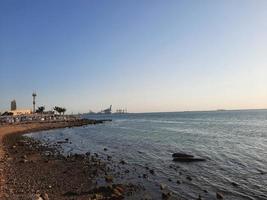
[(146, 55)]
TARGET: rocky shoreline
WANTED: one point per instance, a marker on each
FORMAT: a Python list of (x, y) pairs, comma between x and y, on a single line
[(30, 170)]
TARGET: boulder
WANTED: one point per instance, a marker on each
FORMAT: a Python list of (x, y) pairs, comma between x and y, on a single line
[(182, 155), (188, 159)]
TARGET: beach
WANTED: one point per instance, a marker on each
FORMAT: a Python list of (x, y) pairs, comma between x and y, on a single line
[(30, 170), (130, 157)]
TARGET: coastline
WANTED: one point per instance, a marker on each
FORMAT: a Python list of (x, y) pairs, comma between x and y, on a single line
[(30, 170)]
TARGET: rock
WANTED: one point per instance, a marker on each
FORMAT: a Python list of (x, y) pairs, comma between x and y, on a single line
[(120, 189), (127, 171), (23, 161), (234, 184), (189, 178), (145, 176), (188, 159), (109, 179), (109, 158), (206, 191), (37, 197), (182, 155), (122, 162), (178, 182), (162, 186), (219, 195), (166, 195), (199, 197), (169, 179), (152, 171), (45, 196), (105, 149)]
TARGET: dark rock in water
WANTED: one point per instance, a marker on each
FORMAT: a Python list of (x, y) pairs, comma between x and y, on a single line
[(182, 155), (62, 142), (189, 178), (162, 186), (145, 176), (178, 182), (109, 158), (122, 162), (199, 197), (234, 184), (166, 195), (152, 171), (188, 159), (219, 195), (105, 149)]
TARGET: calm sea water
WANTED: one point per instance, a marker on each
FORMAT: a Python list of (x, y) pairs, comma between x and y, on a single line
[(233, 142)]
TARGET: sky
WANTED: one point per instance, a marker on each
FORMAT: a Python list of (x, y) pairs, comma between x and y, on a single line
[(146, 56)]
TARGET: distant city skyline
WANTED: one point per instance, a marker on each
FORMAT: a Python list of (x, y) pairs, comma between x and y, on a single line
[(146, 56)]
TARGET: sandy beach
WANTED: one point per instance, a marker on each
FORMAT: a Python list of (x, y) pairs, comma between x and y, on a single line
[(30, 170)]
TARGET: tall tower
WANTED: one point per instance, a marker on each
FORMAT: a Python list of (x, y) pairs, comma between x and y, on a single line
[(33, 101), (13, 105)]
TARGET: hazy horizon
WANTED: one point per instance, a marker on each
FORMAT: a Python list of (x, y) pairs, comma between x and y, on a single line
[(146, 56)]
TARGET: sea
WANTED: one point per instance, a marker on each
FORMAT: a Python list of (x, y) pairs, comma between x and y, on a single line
[(234, 144)]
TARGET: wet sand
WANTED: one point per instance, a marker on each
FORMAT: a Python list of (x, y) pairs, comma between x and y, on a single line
[(30, 170)]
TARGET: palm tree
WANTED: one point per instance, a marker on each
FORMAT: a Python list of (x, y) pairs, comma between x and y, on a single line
[(60, 110), (63, 110), (40, 109)]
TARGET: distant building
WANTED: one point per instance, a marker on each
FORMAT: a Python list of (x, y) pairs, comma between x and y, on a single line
[(20, 112), (13, 105), (106, 111)]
